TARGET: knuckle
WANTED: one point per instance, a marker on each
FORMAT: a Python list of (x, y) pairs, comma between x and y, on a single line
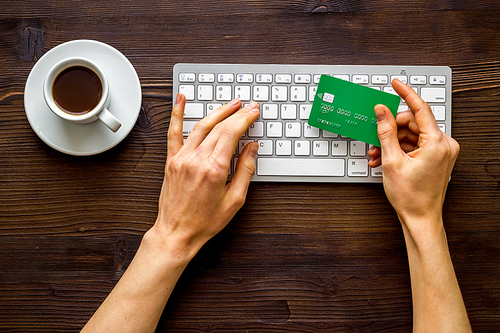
[(200, 126), (173, 132), (175, 164), (215, 170), (385, 131), (239, 200)]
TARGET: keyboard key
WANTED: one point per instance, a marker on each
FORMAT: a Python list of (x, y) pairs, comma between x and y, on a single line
[(380, 79), (274, 129), (376, 172), (187, 90), (269, 111), (283, 78), (402, 78), (327, 134), (358, 148), (193, 110), (433, 95), (342, 76), (310, 132), (187, 127), (312, 93), (205, 77), (187, 77), (298, 93), (320, 148), (439, 112), (242, 144), (264, 78), (211, 107), (283, 147), (265, 147), (279, 93), (244, 78), (437, 79), (302, 148), (360, 78), (339, 148), (357, 167), (205, 92), (304, 111), (256, 130), (292, 129), (261, 93), (418, 79), (225, 78), (302, 78), (242, 93), (326, 167), (288, 111), (223, 93)]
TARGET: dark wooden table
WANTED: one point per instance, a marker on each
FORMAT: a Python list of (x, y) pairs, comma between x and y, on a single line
[(297, 257)]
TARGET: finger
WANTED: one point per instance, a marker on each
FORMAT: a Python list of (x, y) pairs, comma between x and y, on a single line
[(387, 133), (375, 162), (423, 114), (374, 151), (405, 135), (174, 134), (245, 169), (406, 119), (205, 126), (223, 140), (408, 147)]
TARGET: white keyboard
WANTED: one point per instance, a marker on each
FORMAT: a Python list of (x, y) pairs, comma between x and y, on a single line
[(291, 150)]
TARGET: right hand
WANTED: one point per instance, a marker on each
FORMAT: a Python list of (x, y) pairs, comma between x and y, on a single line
[(417, 158)]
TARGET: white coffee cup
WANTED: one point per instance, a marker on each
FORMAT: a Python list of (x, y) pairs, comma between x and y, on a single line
[(98, 112)]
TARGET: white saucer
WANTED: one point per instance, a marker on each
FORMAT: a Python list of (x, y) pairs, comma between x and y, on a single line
[(89, 139)]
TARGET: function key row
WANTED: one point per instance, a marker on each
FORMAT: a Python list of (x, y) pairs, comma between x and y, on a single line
[(308, 78)]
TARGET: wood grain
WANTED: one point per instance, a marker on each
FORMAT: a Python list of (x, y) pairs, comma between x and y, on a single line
[(297, 257)]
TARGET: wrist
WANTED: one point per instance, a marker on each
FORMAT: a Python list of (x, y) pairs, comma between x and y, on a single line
[(166, 248), (425, 235)]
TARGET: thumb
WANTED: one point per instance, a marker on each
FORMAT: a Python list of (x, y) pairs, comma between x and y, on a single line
[(245, 169), (387, 129)]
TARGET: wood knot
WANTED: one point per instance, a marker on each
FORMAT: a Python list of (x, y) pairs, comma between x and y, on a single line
[(493, 169), (144, 121), (320, 9), (32, 44), (120, 251)]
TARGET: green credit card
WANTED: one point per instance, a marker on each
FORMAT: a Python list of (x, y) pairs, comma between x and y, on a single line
[(347, 109)]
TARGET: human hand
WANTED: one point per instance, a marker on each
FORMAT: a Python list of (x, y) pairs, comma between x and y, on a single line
[(195, 201), (417, 157)]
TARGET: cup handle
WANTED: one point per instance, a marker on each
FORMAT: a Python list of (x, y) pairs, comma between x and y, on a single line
[(109, 120)]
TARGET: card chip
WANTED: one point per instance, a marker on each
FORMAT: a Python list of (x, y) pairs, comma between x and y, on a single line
[(328, 97)]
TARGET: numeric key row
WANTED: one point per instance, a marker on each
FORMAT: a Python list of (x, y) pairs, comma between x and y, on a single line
[(262, 93)]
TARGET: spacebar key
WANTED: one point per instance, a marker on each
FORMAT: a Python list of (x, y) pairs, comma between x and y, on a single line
[(325, 167)]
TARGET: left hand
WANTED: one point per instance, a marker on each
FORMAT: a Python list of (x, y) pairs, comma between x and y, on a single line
[(195, 201)]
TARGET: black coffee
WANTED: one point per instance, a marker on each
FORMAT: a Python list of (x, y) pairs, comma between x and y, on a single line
[(77, 90)]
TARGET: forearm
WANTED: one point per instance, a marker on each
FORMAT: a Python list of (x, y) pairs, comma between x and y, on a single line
[(437, 301), (137, 301)]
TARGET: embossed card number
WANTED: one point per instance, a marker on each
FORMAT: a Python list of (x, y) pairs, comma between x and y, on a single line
[(346, 108)]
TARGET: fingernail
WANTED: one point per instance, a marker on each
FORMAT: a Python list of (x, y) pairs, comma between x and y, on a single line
[(380, 112), (253, 150), (234, 102), (253, 105), (178, 99)]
